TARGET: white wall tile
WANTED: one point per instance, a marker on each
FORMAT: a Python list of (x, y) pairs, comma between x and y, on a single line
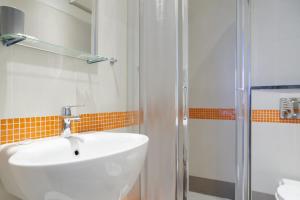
[(212, 53), (212, 149), (275, 155), (212, 84), (275, 42), (270, 99), (275, 146)]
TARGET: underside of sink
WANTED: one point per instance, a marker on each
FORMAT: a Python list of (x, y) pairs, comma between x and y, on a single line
[(109, 172)]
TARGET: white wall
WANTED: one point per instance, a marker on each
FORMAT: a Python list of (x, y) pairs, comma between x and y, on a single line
[(4, 195), (276, 42), (65, 6), (45, 82), (212, 149), (275, 61), (275, 146), (133, 61), (35, 83), (212, 65)]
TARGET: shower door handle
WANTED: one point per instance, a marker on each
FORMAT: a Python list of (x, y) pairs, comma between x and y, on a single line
[(185, 103)]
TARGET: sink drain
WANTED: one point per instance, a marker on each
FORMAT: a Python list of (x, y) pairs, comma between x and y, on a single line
[(76, 153)]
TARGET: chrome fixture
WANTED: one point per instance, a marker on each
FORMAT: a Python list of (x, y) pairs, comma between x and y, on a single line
[(113, 61), (289, 108), (11, 22), (67, 118)]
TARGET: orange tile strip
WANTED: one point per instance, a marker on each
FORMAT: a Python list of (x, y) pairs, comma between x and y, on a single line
[(19, 129), (271, 116), (212, 113)]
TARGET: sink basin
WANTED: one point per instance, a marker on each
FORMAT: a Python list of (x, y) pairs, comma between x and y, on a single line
[(92, 166)]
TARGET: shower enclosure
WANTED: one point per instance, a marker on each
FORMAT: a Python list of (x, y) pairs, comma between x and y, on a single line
[(194, 99)]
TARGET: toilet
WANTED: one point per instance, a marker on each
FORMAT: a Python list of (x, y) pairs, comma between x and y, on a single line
[(288, 190)]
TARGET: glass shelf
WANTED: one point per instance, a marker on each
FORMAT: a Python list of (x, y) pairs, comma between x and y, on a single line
[(32, 42)]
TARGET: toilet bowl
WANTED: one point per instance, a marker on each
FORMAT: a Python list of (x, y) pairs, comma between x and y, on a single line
[(288, 190)]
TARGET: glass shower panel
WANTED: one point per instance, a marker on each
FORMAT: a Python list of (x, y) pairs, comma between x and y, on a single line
[(133, 39), (212, 61), (275, 138), (159, 97)]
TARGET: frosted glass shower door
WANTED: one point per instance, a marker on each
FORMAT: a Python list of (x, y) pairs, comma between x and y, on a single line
[(161, 100)]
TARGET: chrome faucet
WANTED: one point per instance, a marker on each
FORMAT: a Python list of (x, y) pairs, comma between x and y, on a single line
[(67, 119)]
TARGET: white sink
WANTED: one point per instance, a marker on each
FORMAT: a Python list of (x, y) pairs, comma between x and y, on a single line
[(106, 167)]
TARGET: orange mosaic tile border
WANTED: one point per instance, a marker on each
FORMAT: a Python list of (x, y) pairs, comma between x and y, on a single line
[(212, 113), (270, 116), (19, 129)]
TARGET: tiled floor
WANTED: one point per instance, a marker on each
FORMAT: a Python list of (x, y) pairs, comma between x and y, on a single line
[(198, 196)]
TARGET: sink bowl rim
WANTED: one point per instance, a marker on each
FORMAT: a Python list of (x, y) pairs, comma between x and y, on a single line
[(13, 162)]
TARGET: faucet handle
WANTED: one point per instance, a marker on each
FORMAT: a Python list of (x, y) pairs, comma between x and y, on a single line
[(67, 111)]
